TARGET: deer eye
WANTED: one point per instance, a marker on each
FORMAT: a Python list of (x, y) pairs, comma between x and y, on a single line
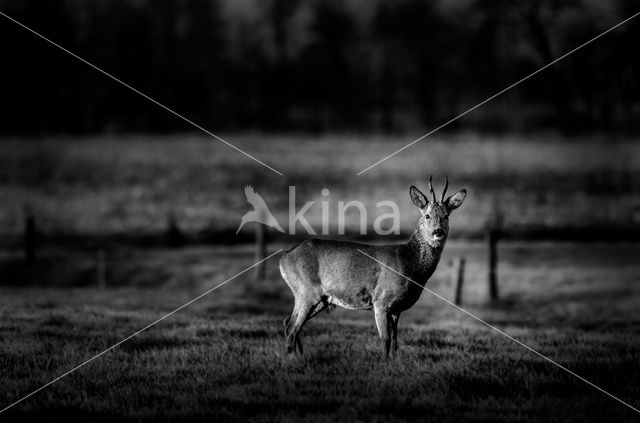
[(427, 216)]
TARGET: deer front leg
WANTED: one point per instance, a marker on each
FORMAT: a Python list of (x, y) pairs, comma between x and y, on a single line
[(382, 322)]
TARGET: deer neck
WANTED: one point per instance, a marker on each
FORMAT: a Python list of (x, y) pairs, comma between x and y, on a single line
[(423, 258)]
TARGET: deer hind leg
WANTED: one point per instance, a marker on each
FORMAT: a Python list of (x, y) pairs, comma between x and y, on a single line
[(287, 323), (384, 328), (394, 333), (301, 313)]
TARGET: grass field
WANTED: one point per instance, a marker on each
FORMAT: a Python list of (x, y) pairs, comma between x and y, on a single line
[(129, 185), (222, 358)]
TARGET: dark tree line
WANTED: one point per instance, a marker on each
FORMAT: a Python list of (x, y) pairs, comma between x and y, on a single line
[(317, 65)]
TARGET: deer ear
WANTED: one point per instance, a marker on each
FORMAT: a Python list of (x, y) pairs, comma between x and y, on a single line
[(418, 198), (456, 200)]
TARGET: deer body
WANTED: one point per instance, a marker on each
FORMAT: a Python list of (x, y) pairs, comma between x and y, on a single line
[(322, 274)]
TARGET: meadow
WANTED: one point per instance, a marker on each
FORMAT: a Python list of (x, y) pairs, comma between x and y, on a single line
[(129, 186), (222, 358)]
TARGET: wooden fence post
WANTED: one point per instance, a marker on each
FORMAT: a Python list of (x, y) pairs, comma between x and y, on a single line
[(492, 251), (261, 251), (102, 269), (174, 235), (458, 274), (29, 237)]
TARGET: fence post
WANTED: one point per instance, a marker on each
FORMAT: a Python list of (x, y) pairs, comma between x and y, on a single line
[(174, 235), (261, 251), (102, 269), (29, 236), (492, 251), (458, 274)]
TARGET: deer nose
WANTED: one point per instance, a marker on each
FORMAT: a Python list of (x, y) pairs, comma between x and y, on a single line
[(439, 233)]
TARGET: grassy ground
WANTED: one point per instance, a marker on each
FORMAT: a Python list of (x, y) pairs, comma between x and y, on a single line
[(222, 358), (129, 185)]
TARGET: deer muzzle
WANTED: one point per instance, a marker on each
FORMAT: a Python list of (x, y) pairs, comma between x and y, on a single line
[(438, 234)]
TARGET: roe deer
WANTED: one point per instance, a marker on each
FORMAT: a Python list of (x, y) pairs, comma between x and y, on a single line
[(322, 274)]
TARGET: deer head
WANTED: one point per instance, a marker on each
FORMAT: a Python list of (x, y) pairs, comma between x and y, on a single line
[(433, 224)]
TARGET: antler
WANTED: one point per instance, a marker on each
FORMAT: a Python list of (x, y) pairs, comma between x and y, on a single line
[(433, 193), (446, 185)]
